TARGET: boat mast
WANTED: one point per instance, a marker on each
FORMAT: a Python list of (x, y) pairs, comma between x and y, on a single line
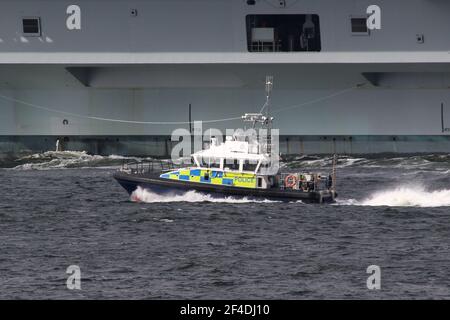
[(269, 86), (333, 177), (264, 118), (268, 121)]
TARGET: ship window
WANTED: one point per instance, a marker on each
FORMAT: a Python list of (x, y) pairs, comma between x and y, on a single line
[(210, 162), (250, 165), (232, 164), (214, 165), (31, 26), (359, 25), (283, 32)]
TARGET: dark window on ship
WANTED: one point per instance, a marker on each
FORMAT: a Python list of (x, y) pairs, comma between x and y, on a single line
[(210, 163), (215, 164), (283, 32), (31, 26), (232, 164), (359, 26), (249, 165)]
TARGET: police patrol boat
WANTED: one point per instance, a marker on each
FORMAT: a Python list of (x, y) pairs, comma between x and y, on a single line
[(245, 165)]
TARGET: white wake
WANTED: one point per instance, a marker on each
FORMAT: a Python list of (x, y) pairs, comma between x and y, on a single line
[(143, 195), (404, 196), (67, 159)]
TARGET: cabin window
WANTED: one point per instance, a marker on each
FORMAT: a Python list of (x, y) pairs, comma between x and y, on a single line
[(31, 26), (283, 32), (249, 165), (260, 182), (232, 164), (210, 163), (359, 26), (215, 165)]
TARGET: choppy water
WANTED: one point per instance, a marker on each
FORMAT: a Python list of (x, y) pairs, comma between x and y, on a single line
[(61, 209)]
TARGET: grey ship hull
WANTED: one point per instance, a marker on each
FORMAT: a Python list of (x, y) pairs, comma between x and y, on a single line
[(172, 54)]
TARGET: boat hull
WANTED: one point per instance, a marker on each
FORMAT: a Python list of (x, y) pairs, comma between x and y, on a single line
[(155, 184)]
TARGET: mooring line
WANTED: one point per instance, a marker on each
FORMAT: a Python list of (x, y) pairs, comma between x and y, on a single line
[(32, 105)]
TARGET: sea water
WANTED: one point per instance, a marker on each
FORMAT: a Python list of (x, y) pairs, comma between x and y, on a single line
[(61, 209)]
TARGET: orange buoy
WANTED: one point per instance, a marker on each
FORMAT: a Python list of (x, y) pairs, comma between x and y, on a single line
[(290, 181)]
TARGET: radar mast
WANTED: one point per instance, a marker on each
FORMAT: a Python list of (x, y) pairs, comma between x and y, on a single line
[(263, 118)]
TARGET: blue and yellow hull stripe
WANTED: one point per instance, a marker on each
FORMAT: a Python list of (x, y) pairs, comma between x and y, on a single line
[(211, 176)]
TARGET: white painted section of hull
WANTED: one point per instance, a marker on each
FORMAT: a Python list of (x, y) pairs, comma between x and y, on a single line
[(101, 58)]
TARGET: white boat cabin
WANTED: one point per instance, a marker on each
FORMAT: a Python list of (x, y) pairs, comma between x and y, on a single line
[(235, 154)]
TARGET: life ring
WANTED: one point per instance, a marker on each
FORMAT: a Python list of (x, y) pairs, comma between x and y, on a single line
[(290, 181)]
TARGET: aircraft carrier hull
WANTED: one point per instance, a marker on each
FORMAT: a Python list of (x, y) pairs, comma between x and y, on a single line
[(117, 82), (314, 121)]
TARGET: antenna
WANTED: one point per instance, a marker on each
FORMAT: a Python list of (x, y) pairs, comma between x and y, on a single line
[(269, 86), (333, 182), (190, 118), (263, 118)]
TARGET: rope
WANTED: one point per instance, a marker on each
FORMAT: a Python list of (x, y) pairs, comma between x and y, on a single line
[(32, 105), (321, 98), (108, 119)]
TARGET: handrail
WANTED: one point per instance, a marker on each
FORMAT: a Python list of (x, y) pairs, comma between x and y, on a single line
[(149, 166)]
